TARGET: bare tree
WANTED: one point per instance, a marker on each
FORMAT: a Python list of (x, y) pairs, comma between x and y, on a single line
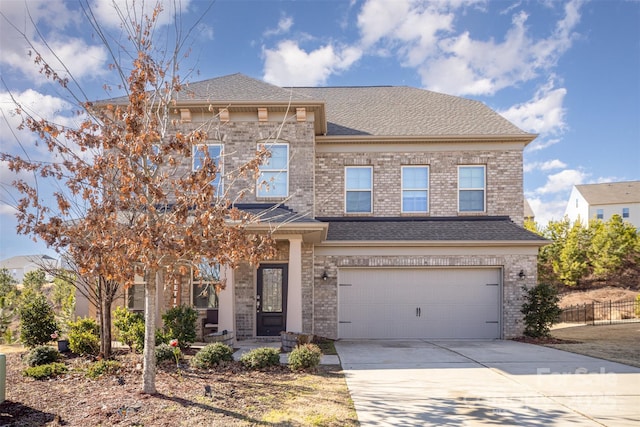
[(124, 204)]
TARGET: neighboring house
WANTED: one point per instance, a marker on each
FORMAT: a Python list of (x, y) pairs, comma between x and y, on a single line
[(528, 211), (18, 266), (602, 201), (399, 213)]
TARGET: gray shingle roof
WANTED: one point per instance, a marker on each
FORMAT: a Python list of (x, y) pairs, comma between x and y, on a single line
[(428, 229), (406, 111), (611, 192), (273, 213)]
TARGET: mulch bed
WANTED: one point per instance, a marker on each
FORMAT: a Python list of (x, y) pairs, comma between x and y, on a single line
[(544, 340)]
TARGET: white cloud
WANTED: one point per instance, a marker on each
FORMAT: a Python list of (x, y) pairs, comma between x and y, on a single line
[(290, 65), (545, 166), (546, 210), (284, 25), (562, 181), (543, 114), (541, 143)]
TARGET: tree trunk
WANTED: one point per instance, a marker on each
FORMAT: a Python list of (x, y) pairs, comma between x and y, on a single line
[(105, 336), (149, 354)]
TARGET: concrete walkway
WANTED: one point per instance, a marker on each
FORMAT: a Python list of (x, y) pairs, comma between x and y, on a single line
[(476, 383)]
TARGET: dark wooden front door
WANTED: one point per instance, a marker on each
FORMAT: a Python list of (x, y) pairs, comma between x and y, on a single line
[(271, 299)]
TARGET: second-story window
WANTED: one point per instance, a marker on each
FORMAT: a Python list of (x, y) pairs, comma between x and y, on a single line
[(625, 212), (274, 172), (600, 213), (214, 151), (415, 189), (358, 189), (471, 189)]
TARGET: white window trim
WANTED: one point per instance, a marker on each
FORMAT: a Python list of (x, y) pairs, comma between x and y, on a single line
[(484, 189), (370, 190), (413, 189), (260, 188), (194, 148)]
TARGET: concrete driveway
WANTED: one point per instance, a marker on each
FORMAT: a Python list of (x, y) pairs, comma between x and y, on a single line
[(471, 383)]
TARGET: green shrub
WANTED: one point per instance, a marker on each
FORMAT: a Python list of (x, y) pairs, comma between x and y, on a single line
[(180, 323), (130, 327), (211, 355), (37, 320), (260, 358), (41, 372), (42, 355), (84, 337), (103, 367), (540, 310), (165, 352), (305, 356)]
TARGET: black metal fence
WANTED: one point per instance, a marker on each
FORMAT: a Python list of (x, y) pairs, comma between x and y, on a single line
[(602, 313)]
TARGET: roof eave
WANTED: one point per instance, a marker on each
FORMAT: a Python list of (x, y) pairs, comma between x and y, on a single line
[(437, 243), (386, 139)]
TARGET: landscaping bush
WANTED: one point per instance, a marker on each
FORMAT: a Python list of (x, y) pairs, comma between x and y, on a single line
[(102, 367), (41, 372), (37, 320), (84, 337), (180, 323), (306, 356), (166, 352), (42, 355), (540, 310), (130, 327), (211, 355), (260, 358)]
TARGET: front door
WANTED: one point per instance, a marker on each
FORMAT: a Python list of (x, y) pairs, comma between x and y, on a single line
[(271, 299)]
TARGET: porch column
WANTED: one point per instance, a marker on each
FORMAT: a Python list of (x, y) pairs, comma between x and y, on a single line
[(294, 294), (226, 301)]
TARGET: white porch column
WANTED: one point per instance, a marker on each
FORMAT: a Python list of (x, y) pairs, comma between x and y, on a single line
[(226, 301), (294, 294)]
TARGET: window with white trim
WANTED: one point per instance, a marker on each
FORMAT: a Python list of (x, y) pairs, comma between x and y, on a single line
[(274, 172), (358, 189), (471, 188), (200, 153), (415, 189), (625, 212), (203, 285)]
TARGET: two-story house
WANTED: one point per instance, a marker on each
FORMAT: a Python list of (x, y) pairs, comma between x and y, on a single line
[(602, 201), (398, 213)]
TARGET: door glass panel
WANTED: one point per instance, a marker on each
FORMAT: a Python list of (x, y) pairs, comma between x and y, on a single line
[(272, 290)]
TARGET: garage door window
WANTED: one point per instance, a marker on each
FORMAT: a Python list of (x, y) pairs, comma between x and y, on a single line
[(358, 189), (415, 189), (471, 188)]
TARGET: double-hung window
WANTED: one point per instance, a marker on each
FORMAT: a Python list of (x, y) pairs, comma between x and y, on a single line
[(600, 213), (204, 286), (471, 188), (625, 212), (274, 172), (358, 189), (213, 152), (415, 189)]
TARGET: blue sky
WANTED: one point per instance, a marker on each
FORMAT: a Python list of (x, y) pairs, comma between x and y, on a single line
[(569, 71)]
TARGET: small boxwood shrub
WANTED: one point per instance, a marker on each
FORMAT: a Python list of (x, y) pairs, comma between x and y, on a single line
[(130, 327), (260, 358), (83, 337), (42, 372), (165, 352), (103, 367), (180, 323), (306, 356), (211, 355), (42, 355)]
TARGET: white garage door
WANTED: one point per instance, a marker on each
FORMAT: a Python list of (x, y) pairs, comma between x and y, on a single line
[(419, 303)]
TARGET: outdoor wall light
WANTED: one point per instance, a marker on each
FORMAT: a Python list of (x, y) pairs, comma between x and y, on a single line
[(521, 275), (325, 276)]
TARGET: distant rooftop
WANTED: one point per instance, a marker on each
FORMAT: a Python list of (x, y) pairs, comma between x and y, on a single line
[(611, 193)]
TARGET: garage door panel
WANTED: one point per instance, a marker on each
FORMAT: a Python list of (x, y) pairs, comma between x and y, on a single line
[(419, 303)]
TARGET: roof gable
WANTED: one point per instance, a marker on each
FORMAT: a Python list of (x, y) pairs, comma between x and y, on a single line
[(611, 193)]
